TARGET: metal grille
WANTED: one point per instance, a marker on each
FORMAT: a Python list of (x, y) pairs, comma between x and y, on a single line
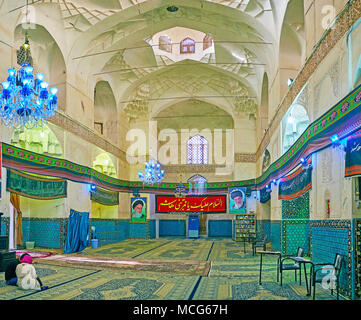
[(197, 150)]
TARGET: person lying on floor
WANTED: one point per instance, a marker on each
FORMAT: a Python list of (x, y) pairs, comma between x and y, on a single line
[(23, 274)]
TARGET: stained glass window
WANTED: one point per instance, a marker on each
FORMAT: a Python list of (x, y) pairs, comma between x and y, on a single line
[(197, 147), (207, 42), (165, 44), (187, 46)]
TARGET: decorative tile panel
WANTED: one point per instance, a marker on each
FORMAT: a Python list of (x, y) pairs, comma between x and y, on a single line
[(329, 237)]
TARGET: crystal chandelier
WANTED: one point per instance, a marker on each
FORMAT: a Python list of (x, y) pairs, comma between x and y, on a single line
[(153, 173), (25, 100)]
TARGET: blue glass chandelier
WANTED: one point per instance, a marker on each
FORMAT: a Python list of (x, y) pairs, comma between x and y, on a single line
[(153, 173), (25, 100)]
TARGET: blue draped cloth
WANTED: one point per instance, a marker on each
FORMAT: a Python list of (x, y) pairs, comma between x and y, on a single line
[(78, 230)]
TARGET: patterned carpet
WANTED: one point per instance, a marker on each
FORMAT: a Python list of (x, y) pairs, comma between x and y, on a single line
[(166, 270), (117, 285), (49, 275), (181, 250), (129, 248)]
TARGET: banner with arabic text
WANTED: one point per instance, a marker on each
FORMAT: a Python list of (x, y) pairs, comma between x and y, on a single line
[(353, 155), (296, 184), (204, 204), (104, 197), (35, 187)]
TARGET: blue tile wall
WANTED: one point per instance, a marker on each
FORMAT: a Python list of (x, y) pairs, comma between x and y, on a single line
[(276, 235), (327, 239), (220, 228), (172, 228), (267, 229), (4, 226), (138, 230), (46, 233), (297, 236), (151, 229), (110, 231)]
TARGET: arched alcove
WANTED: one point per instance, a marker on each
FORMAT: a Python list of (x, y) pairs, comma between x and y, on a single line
[(292, 43), (40, 140), (196, 184), (266, 160), (105, 111), (104, 164), (47, 58), (294, 124)]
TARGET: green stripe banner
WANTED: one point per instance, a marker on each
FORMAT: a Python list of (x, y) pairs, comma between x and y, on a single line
[(35, 187)]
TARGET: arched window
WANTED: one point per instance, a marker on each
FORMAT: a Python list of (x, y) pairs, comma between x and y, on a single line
[(197, 148), (165, 44), (207, 42), (187, 46)]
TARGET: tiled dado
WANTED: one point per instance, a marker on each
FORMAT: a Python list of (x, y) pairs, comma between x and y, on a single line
[(4, 226), (110, 230), (329, 237), (45, 232), (358, 257), (276, 235), (65, 122), (344, 23)]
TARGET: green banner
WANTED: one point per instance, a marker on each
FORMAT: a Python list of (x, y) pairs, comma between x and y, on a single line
[(35, 187), (105, 197)]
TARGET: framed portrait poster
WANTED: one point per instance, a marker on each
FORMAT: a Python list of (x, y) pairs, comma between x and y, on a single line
[(138, 209), (237, 200)]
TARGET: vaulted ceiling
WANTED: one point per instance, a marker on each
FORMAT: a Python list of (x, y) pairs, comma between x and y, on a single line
[(108, 40)]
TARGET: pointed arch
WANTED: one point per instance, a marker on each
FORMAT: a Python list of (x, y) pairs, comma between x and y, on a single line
[(105, 111)]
